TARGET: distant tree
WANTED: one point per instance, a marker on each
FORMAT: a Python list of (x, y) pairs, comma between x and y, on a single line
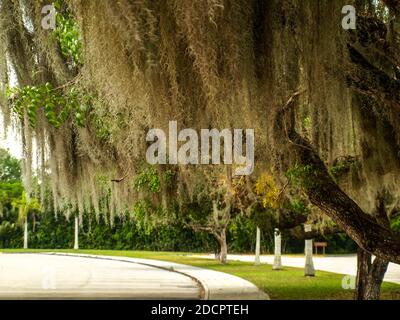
[(10, 181), (10, 167), (213, 207)]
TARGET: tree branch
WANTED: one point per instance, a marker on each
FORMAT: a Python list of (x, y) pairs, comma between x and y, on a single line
[(327, 195)]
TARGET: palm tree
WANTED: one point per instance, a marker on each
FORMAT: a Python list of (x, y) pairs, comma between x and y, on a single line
[(26, 206)]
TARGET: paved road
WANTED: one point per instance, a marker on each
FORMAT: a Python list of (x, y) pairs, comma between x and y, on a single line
[(78, 276), (346, 264), (28, 276)]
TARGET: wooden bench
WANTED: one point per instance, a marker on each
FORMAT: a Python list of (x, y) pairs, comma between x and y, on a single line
[(322, 245)]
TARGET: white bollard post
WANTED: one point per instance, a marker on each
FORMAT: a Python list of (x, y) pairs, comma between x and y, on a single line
[(26, 233), (258, 240), (278, 247), (309, 270), (76, 243)]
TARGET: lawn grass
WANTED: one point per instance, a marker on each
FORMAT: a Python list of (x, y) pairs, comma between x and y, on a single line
[(287, 284)]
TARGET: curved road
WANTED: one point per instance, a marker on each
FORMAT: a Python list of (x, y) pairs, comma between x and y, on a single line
[(37, 276)]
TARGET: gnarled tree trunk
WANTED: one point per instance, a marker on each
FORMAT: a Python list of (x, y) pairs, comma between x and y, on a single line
[(369, 276)]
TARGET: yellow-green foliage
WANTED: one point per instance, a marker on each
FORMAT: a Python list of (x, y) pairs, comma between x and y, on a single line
[(26, 206), (267, 188)]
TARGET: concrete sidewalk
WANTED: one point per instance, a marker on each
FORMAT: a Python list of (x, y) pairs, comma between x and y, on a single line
[(343, 264), (213, 285)]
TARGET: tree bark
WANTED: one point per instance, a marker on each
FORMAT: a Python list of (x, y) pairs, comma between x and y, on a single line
[(375, 279), (223, 246), (369, 276), (363, 266)]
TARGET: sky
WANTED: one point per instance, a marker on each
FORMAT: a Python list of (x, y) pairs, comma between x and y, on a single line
[(10, 141)]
